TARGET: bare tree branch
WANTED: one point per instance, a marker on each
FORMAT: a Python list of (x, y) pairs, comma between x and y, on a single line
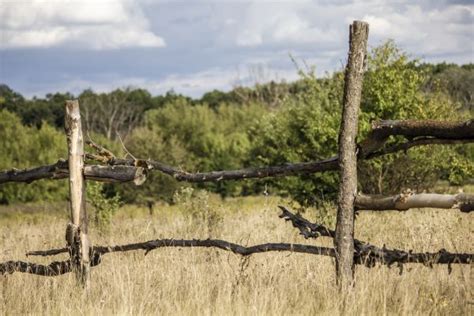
[(221, 244), (49, 252), (369, 255), (424, 141), (364, 253), (423, 128), (62, 267), (410, 129), (112, 173), (53, 269), (216, 243), (59, 170)]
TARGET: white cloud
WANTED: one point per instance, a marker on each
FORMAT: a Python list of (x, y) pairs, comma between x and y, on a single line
[(283, 22), (88, 24), (423, 28)]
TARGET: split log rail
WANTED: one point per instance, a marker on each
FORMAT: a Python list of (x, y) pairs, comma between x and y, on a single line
[(347, 251)]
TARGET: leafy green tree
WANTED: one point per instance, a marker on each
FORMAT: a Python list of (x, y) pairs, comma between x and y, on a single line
[(393, 89), (37, 110), (306, 128), (196, 138)]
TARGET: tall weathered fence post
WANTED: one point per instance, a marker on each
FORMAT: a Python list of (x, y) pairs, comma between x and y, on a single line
[(76, 232), (344, 241)]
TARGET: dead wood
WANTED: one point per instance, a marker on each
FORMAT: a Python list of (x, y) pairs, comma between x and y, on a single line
[(440, 132), (405, 146), (353, 78), (369, 255), (77, 230), (59, 170), (55, 268), (405, 201), (125, 170), (364, 253)]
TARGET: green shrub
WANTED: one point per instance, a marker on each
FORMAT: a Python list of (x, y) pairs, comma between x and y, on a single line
[(306, 129), (104, 207)]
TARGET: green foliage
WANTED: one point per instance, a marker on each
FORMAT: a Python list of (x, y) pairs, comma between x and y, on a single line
[(105, 207), (393, 89), (194, 137), (304, 129), (22, 147)]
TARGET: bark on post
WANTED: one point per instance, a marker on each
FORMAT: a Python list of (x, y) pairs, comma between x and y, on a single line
[(344, 241), (76, 232)]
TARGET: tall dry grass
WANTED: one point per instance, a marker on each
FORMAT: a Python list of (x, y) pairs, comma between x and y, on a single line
[(173, 281)]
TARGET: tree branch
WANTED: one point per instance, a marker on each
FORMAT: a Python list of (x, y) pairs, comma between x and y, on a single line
[(124, 170), (216, 243), (55, 268), (424, 141), (423, 128), (402, 202), (441, 130), (369, 255), (364, 254), (59, 170)]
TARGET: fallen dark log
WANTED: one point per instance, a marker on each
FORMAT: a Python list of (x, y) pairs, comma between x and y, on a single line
[(405, 201)]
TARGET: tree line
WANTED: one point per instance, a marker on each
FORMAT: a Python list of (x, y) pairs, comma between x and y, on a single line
[(271, 123)]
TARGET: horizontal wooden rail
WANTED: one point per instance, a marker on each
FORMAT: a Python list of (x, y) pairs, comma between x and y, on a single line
[(124, 170), (364, 254), (405, 201), (60, 170)]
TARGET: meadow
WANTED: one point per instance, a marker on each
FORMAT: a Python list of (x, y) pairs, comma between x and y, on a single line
[(205, 281)]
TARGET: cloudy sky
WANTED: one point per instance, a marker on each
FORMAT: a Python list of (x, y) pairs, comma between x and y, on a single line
[(195, 46)]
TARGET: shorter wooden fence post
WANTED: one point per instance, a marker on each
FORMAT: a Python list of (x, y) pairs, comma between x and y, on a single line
[(76, 232)]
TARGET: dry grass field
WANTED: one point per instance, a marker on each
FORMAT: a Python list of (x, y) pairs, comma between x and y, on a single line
[(203, 281)]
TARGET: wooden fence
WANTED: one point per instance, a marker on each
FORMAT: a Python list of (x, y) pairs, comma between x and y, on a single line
[(347, 251)]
